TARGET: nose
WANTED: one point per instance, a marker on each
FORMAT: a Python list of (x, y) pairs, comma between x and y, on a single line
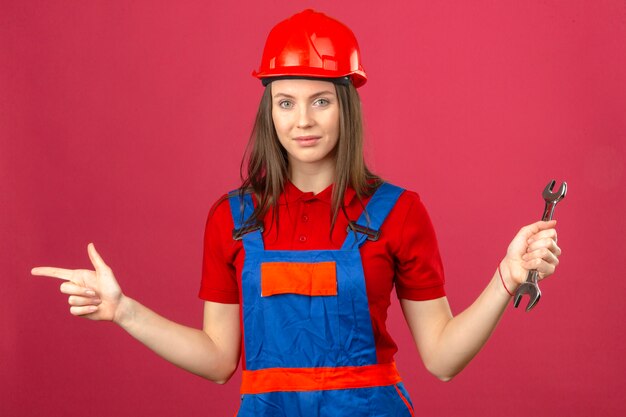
[(304, 117)]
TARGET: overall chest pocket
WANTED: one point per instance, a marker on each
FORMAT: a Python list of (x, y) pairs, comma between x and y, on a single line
[(300, 314), (304, 278)]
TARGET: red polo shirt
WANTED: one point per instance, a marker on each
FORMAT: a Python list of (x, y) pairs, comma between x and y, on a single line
[(406, 254)]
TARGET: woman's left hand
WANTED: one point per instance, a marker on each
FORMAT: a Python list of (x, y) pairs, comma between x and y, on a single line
[(534, 247)]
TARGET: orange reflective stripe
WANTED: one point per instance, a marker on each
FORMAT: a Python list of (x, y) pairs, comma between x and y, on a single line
[(317, 379), (304, 278), (406, 402)]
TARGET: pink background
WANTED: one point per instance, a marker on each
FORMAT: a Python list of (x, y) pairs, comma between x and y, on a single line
[(121, 122)]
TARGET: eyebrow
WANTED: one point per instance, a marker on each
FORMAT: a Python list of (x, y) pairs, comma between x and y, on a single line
[(321, 93)]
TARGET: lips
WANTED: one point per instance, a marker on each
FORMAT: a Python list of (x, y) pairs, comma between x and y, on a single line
[(307, 140)]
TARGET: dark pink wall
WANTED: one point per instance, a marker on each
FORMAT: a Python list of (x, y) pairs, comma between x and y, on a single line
[(121, 122)]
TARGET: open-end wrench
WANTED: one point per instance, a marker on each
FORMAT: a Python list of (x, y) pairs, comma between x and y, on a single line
[(530, 286)]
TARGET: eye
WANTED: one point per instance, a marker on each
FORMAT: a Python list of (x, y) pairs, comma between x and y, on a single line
[(285, 104), (321, 102)]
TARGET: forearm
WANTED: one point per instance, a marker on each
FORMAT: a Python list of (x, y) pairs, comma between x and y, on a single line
[(188, 348), (447, 343), (465, 334)]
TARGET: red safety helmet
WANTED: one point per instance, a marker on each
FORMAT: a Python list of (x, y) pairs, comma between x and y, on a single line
[(311, 44)]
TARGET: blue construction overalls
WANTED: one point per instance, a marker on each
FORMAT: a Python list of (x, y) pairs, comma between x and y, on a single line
[(308, 339)]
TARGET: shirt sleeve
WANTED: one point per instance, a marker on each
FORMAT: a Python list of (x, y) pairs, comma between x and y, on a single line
[(419, 270), (219, 279)]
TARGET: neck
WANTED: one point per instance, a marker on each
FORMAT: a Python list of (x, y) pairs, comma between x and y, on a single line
[(312, 177)]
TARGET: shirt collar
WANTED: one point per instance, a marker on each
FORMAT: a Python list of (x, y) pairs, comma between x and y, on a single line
[(292, 194)]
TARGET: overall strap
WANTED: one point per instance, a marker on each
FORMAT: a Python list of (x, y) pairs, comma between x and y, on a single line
[(241, 208), (376, 212)]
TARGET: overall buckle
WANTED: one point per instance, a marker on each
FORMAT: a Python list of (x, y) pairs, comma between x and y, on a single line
[(239, 233), (371, 234)]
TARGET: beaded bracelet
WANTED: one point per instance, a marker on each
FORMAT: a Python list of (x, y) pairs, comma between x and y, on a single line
[(503, 284)]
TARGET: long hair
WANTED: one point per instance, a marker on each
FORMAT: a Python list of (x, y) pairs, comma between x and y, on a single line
[(267, 162)]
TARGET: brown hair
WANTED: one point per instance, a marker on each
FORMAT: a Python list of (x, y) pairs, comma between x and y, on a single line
[(267, 163)]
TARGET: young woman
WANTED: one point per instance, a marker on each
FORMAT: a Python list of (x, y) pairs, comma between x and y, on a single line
[(300, 261)]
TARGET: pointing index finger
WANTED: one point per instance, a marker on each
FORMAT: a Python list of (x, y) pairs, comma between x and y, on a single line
[(47, 271)]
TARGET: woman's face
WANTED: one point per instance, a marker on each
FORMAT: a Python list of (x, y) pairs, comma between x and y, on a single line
[(306, 118)]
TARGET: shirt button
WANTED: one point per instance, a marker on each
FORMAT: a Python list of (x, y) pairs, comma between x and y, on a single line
[(302, 238), (305, 218)]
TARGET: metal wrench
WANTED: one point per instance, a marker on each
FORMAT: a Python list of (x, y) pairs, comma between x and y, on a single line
[(530, 286)]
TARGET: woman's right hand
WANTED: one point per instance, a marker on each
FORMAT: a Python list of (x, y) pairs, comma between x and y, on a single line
[(95, 295)]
